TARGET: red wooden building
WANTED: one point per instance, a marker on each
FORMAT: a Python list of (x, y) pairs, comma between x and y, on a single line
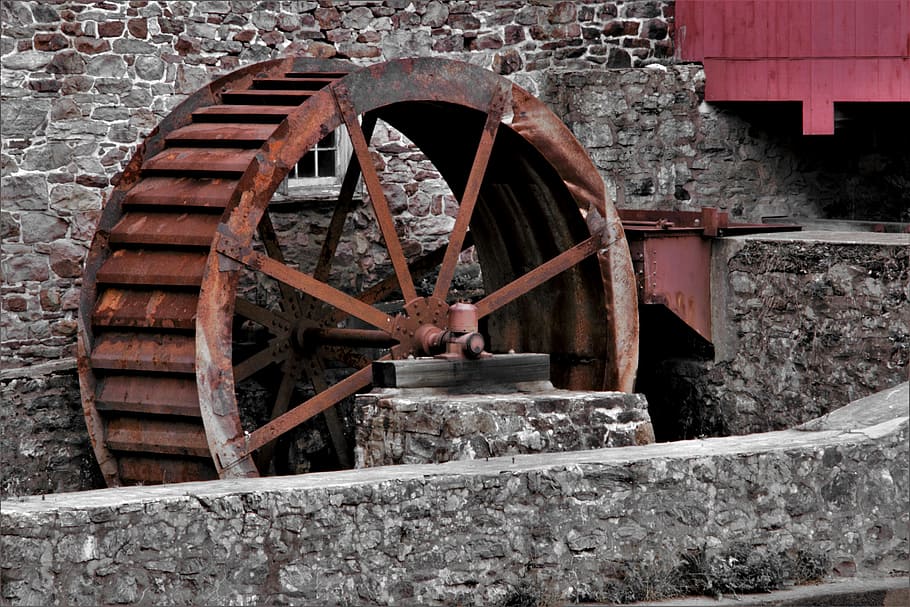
[(819, 52)]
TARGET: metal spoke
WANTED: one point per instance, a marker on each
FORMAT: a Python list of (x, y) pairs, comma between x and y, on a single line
[(342, 207), (290, 298), (307, 284), (469, 197), (277, 322), (276, 352), (536, 277), (377, 198), (290, 372), (304, 411)]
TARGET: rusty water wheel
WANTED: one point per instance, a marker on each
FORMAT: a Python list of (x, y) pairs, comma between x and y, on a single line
[(189, 217)]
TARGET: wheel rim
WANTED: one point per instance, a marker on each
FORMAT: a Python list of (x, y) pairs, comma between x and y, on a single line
[(520, 179)]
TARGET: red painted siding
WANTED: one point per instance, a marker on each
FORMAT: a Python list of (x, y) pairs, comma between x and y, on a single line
[(818, 52)]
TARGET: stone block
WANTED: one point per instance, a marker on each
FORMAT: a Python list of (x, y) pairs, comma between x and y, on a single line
[(397, 426)]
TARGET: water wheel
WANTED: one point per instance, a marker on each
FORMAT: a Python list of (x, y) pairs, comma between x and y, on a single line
[(162, 306)]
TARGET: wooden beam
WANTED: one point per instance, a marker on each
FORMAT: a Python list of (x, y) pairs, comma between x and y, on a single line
[(495, 371)]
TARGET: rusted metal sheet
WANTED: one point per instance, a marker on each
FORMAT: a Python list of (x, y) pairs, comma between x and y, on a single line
[(237, 112), (152, 268), (241, 133), (149, 394), (146, 308), (169, 229), (163, 436), (181, 192), (671, 253), (201, 160), (270, 96), (136, 469), (144, 352)]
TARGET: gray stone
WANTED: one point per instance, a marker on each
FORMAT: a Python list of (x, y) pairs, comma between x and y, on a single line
[(24, 118), (41, 227), (108, 66), (25, 268), (66, 258), (149, 68), (24, 192), (358, 18), (72, 197), (54, 155), (413, 426), (27, 60), (66, 62), (435, 15), (127, 46), (406, 44), (264, 20)]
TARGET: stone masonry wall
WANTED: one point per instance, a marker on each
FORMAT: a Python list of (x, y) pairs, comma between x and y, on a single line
[(421, 426), (804, 323), (43, 440), (659, 145), (583, 526)]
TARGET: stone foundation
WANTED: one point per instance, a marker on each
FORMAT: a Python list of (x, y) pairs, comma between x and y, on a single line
[(422, 426), (803, 323), (43, 442), (575, 525)]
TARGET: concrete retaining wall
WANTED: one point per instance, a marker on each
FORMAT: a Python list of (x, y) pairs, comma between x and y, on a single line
[(476, 532)]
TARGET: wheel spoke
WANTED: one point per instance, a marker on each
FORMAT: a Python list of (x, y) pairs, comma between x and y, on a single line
[(469, 198), (276, 352), (304, 411), (315, 370), (342, 208), (307, 284), (290, 372), (277, 322), (536, 277), (419, 267), (377, 197), (289, 297)]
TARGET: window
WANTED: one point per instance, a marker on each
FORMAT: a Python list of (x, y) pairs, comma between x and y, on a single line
[(321, 171)]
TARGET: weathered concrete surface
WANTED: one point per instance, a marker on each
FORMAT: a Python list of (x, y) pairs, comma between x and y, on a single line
[(803, 323), (413, 426), (473, 531)]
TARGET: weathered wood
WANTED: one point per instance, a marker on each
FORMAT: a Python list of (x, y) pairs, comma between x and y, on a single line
[(438, 373)]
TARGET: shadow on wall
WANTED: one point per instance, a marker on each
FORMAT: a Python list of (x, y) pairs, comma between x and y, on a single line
[(861, 173)]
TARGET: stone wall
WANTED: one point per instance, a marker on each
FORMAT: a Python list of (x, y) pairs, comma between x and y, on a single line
[(803, 323), (582, 526), (423, 426), (659, 145), (43, 440)]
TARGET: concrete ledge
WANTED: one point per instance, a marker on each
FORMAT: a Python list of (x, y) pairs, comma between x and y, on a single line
[(473, 531)]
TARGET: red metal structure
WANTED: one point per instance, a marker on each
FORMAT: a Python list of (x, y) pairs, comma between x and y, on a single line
[(819, 52)]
